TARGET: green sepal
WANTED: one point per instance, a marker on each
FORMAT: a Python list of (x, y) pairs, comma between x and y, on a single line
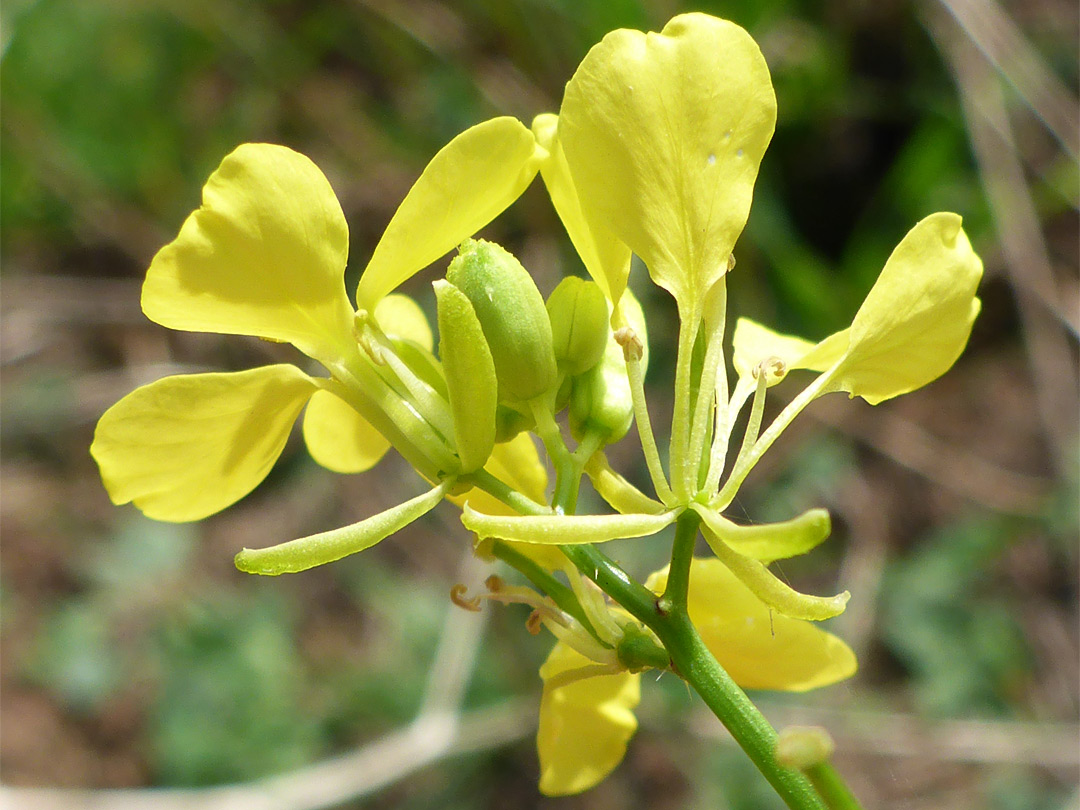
[(600, 400), (561, 530), (770, 541), (638, 650), (325, 547), (512, 314), (470, 376), (770, 590)]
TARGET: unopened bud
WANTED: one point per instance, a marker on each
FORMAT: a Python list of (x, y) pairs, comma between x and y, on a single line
[(513, 317), (579, 324), (600, 401), (803, 747)]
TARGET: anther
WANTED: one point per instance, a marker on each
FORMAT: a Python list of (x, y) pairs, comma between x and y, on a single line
[(630, 342), (495, 583), (534, 623), (457, 596), (773, 368)]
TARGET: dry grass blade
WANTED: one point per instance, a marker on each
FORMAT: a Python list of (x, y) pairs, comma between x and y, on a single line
[(1002, 43), (1017, 224)]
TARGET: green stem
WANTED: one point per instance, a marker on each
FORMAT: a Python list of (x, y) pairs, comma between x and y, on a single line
[(667, 616), (522, 504), (832, 788), (682, 555), (636, 377)]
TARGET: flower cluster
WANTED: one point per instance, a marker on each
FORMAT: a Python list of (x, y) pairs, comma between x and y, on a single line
[(654, 152)]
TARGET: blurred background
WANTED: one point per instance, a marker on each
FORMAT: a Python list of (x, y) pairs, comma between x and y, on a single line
[(135, 656)]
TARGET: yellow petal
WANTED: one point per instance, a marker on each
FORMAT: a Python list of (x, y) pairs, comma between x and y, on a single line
[(917, 318), (338, 437), (604, 256), (264, 255), (585, 726), (663, 134), (760, 649), (468, 183), (186, 447), (517, 463), (401, 317)]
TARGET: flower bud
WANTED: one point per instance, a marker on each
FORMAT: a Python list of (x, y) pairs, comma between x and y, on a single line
[(512, 314), (579, 324), (600, 401)]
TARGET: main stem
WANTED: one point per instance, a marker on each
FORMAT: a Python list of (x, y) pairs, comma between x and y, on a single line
[(667, 616)]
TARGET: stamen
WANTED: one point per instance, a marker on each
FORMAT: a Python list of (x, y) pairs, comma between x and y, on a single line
[(632, 347), (743, 466), (457, 596), (426, 399), (534, 624), (364, 336), (757, 409), (725, 422), (774, 369), (632, 351)]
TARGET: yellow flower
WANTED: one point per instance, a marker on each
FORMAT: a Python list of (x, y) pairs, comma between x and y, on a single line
[(909, 331), (662, 135), (586, 711), (265, 255), (656, 150)]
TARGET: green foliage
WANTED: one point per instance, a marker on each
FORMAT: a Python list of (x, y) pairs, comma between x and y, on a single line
[(232, 681), (74, 658), (946, 620)]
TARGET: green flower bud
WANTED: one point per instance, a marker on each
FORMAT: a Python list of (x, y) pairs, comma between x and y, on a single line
[(600, 401), (512, 314), (579, 324), (470, 376)]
